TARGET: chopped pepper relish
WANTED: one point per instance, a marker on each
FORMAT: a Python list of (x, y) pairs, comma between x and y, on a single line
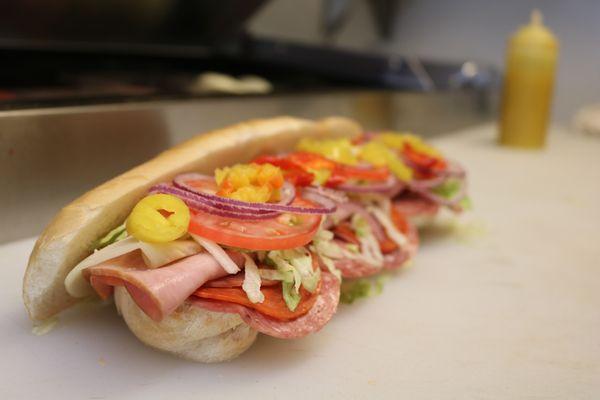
[(254, 183)]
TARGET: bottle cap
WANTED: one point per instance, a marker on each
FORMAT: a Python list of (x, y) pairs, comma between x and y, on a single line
[(535, 33)]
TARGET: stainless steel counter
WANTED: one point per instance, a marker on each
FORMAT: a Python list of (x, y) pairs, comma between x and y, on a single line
[(50, 156)]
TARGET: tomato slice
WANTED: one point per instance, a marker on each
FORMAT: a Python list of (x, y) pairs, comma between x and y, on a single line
[(286, 231)]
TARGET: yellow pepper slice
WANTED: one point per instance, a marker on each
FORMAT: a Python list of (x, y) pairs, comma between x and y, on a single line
[(340, 150), (399, 140), (159, 218), (379, 155)]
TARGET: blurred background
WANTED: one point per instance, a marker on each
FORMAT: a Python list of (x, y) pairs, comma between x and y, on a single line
[(83, 83), (455, 31)]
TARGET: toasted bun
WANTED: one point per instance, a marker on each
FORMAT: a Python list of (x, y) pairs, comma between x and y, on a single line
[(190, 332), (68, 238)]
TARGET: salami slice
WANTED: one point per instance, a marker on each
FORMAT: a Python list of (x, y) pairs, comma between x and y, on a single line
[(412, 204), (322, 311)]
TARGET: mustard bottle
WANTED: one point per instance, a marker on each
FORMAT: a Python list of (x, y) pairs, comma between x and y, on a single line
[(528, 85)]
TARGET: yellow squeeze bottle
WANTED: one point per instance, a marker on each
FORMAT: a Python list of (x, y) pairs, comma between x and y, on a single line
[(528, 85)]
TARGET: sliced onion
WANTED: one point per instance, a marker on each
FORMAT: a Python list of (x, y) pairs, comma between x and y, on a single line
[(252, 281), (199, 203), (76, 285), (455, 170), (452, 202), (425, 184), (218, 253), (392, 232), (218, 205), (159, 254), (335, 195), (388, 186), (326, 202), (287, 193), (346, 210)]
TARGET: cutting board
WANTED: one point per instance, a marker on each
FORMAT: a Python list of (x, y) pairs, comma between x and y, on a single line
[(503, 303)]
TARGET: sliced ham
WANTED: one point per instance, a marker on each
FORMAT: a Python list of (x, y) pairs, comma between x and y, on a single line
[(158, 292), (321, 312), (236, 280)]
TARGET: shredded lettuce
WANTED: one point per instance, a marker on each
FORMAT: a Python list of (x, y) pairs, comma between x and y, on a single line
[(295, 266), (355, 290), (327, 250), (302, 260), (371, 252), (300, 263), (391, 230), (252, 281), (360, 226), (353, 248), (274, 275), (362, 288), (285, 268), (466, 203), (119, 233), (290, 295), (448, 188)]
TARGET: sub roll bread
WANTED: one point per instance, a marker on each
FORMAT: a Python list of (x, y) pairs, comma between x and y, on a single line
[(244, 230)]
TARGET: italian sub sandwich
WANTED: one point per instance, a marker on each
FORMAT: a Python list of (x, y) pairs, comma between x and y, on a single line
[(245, 230)]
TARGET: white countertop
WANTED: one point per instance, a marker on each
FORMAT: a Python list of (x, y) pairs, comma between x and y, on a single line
[(508, 306)]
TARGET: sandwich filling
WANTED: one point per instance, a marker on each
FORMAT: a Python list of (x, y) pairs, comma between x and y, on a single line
[(271, 240)]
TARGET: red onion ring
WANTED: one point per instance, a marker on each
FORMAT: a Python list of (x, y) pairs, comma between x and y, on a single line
[(199, 203), (389, 185), (455, 170), (425, 184), (232, 208), (288, 194), (332, 194)]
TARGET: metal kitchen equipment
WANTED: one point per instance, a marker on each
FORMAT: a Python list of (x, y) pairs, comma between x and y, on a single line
[(78, 99)]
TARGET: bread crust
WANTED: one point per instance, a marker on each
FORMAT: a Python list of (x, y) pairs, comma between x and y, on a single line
[(189, 332), (68, 238)]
